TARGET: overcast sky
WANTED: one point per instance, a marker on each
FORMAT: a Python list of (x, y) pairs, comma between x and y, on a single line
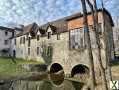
[(15, 12)]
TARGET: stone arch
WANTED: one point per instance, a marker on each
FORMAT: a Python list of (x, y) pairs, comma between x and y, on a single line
[(80, 71), (56, 74)]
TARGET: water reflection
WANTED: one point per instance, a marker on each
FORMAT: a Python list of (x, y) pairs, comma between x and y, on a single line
[(56, 74), (43, 85), (53, 80)]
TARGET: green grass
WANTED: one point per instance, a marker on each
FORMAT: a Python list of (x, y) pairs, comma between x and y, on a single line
[(117, 53), (115, 67), (9, 68), (116, 62)]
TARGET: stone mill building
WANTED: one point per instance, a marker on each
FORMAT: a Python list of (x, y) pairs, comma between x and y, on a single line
[(61, 43)]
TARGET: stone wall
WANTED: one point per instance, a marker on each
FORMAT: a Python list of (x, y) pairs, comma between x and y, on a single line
[(4, 46), (60, 52)]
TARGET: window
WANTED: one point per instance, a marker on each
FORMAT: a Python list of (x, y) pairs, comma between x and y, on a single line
[(38, 37), (15, 41), (49, 35), (23, 40), (38, 50), (28, 51), (13, 34), (77, 38), (100, 29), (20, 40), (27, 37), (29, 41), (6, 33), (6, 42), (58, 36), (49, 51)]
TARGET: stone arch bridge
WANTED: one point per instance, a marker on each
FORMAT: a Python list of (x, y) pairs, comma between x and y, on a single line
[(71, 61)]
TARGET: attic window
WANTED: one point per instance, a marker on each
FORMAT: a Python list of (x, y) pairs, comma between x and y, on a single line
[(49, 35)]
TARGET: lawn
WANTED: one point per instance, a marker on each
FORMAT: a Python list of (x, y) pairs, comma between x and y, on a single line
[(9, 68)]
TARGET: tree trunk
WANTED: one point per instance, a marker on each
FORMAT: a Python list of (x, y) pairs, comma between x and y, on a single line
[(107, 53), (88, 44), (95, 22), (107, 48)]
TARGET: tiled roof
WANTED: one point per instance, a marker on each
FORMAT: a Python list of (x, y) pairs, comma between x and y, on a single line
[(77, 15), (27, 29), (59, 25), (7, 29)]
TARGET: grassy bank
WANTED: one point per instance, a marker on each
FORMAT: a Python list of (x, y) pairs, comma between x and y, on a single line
[(10, 68), (115, 69)]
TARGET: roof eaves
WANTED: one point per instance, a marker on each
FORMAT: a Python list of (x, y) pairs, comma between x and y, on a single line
[(75, 16)]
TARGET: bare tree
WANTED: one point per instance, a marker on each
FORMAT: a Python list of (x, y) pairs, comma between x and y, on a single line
[(88, 44), (107, 46), (95, 24)]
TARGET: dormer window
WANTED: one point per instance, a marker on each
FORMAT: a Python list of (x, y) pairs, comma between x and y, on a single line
[(49, 31), (38, 35), (29, 40), (49, 35)]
